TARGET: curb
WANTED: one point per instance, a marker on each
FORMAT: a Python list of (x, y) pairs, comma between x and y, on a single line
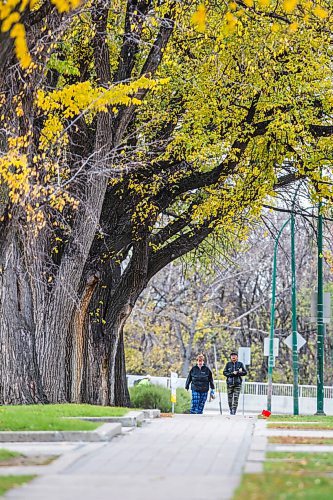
[(112, 427), (152, 413), (257, 453), (103, 433), (131, 419)]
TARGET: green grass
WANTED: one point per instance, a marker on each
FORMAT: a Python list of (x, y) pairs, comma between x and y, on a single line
[(49, 417), (289, 476), (301, 418), (299, 440), (306, 426), (6, 454), (289, 462), (268, 486), (8, 482)]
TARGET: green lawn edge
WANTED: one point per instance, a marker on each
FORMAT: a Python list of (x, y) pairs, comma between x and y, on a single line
[(284, 487), (300, 418), (7, 454), (9, 482), (53, 417), (288, 476)]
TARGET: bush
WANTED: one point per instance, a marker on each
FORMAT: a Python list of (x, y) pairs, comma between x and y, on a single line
[(183, 404), (156, 396)]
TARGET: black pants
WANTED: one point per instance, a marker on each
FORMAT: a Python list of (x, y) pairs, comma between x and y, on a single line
[(233, 395)]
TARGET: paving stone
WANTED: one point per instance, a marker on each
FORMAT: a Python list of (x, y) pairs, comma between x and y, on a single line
[(188, 457)]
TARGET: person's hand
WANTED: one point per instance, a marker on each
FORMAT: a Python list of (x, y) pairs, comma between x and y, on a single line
[(241, 369), (235, 372)]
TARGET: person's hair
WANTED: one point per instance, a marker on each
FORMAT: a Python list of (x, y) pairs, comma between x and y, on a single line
[(233, 353), (201, 356)]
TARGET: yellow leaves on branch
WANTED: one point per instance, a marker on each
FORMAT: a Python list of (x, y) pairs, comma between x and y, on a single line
[(73, 99), (14, 172), (11, 22), (289, 5), (66, 5), (314, 7), (29, 187), (199, 18), (83, 97), (320, 12), (264, 3)]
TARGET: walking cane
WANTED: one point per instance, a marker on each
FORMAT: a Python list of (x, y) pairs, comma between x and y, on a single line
[(219, 387)]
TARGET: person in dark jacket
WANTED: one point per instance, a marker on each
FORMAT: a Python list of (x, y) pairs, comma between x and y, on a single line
[(234, 371), (200, 378)]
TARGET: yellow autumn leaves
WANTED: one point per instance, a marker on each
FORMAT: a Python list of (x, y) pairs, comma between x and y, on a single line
[(199, 18), (83, 97), (11, 12), (21, 176), (235, 11)]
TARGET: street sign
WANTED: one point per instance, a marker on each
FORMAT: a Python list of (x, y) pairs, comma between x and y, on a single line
[(244, 355), (173, 379), (326, 309), (300, 341), (266, 347)]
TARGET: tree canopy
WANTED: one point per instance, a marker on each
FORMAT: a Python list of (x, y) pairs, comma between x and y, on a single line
[(131, 131)]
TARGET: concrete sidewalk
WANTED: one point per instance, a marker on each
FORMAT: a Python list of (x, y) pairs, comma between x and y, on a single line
[(188, 457)]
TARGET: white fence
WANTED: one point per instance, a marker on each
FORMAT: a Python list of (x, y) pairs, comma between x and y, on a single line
[(255, 396)]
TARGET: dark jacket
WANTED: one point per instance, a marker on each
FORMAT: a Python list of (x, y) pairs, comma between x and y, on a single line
[(201, 379), (231, 367)]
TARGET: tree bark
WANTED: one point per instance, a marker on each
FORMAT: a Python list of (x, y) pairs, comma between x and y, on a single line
[(122, 397), (20, 380)]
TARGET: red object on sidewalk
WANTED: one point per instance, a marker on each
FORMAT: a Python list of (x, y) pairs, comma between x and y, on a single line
[(266, 413)]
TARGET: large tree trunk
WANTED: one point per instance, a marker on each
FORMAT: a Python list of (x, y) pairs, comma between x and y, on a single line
[(122, 397), (104, 365), (20, 380)]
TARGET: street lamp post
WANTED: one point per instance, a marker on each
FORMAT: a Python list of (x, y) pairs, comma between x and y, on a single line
[(320, 317), (271, 331), (294, 315)]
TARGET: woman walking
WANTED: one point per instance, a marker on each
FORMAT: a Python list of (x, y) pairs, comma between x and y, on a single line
[(200, 378)]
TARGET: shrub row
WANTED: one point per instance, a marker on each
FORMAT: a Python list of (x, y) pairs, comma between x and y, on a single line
[(156, 396)]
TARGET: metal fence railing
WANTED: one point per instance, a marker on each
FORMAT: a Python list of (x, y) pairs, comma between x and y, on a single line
[(254, 388)]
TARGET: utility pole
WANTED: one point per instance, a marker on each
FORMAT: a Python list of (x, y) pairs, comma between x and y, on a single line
[(320, 317), (294, 315), (272, 326)]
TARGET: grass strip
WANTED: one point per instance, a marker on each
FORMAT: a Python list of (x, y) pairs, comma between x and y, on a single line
[(299, 462), (50, 417), (284, 487), (7, 454), (304, 426), (299, 440), (8, 482), (302, 418)]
